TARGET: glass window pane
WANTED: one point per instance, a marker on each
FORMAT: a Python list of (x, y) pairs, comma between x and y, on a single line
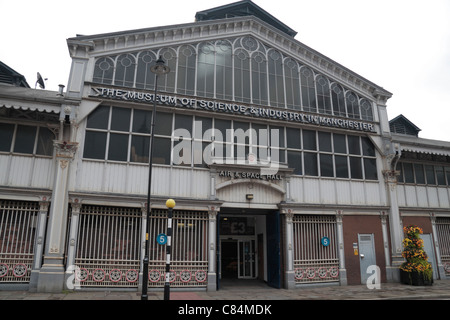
[(429, 171), (45, 142), (326, 165), (440, 175), (139, 149), (95, 145), (99, 118), (6, 134), (163, 123), (142, 121), (310, 160), (201, 125), (183, 122), (309, 140), (420, 176), (25, 137), (408, 172), (353, 145), (367, 147), (280, 133), (447, 173), (222, 126), (339, 143), (325, 141), (260, 134), (118, 147), (355, 168), (400, 178), (370, 169), (161, 151), (293, 138), (295, 161), (341, 166), (120, 119)]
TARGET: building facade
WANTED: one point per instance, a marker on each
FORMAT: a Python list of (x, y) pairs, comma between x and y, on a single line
[(282, 164)]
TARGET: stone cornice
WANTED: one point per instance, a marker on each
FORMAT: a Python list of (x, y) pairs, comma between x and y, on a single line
[(141, 39)]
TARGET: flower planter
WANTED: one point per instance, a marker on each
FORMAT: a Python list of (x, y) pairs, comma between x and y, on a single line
[(415, 278)]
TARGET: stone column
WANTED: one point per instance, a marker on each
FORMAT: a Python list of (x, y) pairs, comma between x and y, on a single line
[(71, 251), (39, 242), (392, 271), (212, 250), (51, 276), (289, 276)]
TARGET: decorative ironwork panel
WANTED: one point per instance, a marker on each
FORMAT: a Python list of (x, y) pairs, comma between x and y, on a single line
[(443, 235), (108, 247), (18, 222), (315, 249), (189, 260)]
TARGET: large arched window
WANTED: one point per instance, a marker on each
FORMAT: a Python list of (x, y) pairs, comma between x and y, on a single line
[(338, 100), (366, 110), (323, 95), (308, 90), (241, 76), (167, 83), (205, 70), (104, 70), (276, 83), (145, 79), (292, 84), (352, 105), (259, 79), (125, 69), (224, 70), (186, 70)]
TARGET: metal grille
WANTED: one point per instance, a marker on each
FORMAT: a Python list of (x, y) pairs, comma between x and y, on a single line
[(18, 221), (108, 247), (189, 260), (315, 249), (443, 235)]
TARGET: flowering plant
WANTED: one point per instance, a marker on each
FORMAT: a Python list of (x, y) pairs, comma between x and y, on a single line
[(416, 257)]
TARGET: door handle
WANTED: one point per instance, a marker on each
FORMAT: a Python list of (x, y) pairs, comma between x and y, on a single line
[(362, 255)]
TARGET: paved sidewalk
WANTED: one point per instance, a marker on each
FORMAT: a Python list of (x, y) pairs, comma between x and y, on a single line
[(440, 290)]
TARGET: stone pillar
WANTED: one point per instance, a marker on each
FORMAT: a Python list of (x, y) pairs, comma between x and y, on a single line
[(289, 276), (341, 252), (39, 242), (51, 276), (212, 249), (392, 271), (71, 251)]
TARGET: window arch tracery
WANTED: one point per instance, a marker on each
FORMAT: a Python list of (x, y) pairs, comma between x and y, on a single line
[(242, 69)]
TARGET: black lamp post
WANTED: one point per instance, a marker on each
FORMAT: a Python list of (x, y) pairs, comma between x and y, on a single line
[(158, 69)]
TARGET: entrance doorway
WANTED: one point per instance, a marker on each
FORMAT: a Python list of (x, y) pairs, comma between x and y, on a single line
[(238, 258)]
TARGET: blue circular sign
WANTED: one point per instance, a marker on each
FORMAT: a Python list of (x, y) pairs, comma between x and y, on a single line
[(161, 238), (325, 241)]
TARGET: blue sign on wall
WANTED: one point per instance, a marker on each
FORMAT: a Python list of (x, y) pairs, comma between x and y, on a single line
[(325, 241), (161, 238)]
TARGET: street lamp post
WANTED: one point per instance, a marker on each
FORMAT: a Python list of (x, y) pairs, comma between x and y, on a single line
[(170, 204), (158, 69)]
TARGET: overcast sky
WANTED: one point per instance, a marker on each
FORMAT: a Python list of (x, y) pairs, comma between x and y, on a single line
[(400, 45)]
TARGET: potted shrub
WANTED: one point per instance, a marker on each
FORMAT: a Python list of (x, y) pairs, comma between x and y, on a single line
[(416, 270)]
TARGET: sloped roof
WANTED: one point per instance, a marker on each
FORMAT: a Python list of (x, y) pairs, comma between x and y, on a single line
[(10, 76), (243, 8), (402, 125)]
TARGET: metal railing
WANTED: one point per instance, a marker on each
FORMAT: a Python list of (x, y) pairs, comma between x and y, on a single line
[(443, 235), (315, 249), (18, 222)]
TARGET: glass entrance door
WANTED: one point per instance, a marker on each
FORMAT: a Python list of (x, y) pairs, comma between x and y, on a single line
[(246, 259)]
